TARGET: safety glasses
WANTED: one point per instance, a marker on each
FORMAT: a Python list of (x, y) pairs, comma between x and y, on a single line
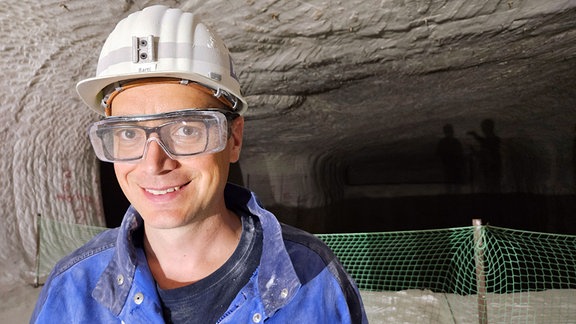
[(180, 134)]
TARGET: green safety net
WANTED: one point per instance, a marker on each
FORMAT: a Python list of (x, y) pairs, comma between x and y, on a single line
[(483, 274)]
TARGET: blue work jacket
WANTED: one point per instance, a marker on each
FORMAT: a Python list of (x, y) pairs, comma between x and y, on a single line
[(298, 280)]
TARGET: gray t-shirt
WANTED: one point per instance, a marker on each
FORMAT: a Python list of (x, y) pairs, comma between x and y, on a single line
[(206, 301)]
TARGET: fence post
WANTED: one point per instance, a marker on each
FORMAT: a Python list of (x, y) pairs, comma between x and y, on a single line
[(480, 275), (38, 246)]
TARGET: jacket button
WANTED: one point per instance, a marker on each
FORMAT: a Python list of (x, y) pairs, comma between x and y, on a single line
[(138, 298), (120, 280), (256, 318), (284, 293)]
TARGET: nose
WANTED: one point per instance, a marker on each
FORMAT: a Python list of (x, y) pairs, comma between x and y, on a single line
[(156, 159)]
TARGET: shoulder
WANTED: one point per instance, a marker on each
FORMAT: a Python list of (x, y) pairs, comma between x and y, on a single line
[(312, 259), (299, 241), (75, 275), (310, 255), (102, 242)]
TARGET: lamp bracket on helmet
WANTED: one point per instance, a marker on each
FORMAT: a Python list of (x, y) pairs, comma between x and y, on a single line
[(143, 49)]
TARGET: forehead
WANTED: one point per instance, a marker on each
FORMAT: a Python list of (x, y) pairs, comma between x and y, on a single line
[(148, 99)]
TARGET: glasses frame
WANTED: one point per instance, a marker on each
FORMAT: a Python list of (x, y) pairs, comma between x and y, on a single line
[(223, 120)]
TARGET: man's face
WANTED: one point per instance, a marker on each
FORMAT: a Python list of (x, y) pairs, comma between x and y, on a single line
[(174, 193)]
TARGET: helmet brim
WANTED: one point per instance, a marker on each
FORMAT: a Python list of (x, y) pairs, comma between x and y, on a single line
[(90, 90)]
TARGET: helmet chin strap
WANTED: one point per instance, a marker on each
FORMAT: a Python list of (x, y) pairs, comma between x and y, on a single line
[(228, 100)]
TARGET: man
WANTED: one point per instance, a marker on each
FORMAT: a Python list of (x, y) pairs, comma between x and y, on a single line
[(191, 248), (452, 156), (489, 157)]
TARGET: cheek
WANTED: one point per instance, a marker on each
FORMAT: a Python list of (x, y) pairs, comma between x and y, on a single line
[(121, 172), (215, 166), (218, 162)]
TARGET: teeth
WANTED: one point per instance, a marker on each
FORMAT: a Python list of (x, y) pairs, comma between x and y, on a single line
[(162, 192)]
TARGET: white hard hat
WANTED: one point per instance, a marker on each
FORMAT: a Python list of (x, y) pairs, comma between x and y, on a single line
[(163, 42)]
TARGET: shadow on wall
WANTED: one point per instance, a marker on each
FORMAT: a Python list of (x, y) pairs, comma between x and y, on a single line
[(574, 159), (486, 158), (507, 183)]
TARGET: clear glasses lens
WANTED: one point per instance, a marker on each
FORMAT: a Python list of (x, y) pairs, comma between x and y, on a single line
[(181, 134)]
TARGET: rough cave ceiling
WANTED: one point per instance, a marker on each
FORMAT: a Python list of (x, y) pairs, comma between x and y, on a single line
[(344, 77)]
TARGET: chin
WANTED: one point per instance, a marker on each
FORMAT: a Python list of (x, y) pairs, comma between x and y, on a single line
[(162, 218)]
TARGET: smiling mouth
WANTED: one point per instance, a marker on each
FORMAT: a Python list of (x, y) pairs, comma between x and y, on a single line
[(163, 192)]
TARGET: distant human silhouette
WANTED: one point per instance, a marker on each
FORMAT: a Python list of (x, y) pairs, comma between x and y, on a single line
[(574, 159), (488, 157), (452, 155)]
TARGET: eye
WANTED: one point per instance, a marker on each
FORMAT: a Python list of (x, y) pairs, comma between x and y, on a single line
[(188, 132), (127, 134)]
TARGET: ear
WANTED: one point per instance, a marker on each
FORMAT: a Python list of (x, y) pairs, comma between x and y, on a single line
[(235, 140)]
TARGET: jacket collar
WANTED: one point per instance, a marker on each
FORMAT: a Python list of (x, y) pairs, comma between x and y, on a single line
[(277, 279), (115, 282)]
